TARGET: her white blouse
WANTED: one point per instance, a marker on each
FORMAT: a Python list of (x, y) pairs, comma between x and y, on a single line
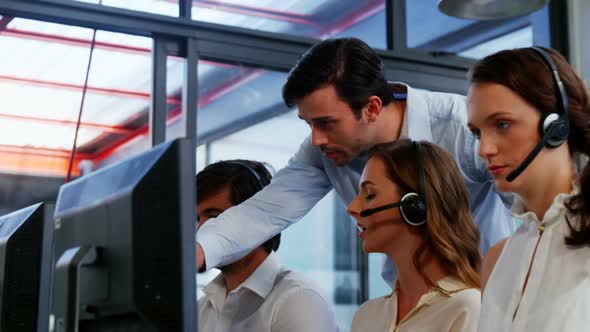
[(557, 293), (456, 309)]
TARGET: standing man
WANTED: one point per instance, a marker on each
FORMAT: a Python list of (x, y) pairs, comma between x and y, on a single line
[(340, 90)]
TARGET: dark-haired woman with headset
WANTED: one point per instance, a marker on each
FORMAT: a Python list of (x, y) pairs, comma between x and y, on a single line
[(413, 207), (531, 113)]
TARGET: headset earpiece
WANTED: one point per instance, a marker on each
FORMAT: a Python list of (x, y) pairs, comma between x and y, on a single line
[(554, 127), (555, 130), (413, 209)]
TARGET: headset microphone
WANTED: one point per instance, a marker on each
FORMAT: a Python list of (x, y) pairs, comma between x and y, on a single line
[(368, 212), (527, 161)]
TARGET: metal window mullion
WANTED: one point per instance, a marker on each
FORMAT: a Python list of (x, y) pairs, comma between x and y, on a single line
[(550, 27), (190, 90), (208, 153), (190, 97), (389, 33), (396, 24), (189, 126), (158, 104), (363, 268), (559, 27), (185, 8), (349, 257)]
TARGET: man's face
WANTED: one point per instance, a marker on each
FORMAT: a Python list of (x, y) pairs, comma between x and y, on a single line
[(213, 205), (335, 129)]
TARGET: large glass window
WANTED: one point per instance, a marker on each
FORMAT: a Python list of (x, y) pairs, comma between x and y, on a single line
[(162, 7), (520, 38), (41, 95), (42, 77), (364, 19), (469, 38), (232, 97), (377, 286)]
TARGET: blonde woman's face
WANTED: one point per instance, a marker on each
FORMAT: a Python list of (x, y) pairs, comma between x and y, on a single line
[(380, 231)]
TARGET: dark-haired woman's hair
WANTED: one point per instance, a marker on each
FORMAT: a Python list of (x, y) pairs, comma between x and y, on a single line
[(449, 232), (524, 72)]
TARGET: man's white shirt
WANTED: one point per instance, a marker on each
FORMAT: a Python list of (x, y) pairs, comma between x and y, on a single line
[(273, 298)]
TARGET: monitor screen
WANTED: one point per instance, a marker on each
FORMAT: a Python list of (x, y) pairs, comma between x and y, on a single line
[(124, 245), (26, 245)]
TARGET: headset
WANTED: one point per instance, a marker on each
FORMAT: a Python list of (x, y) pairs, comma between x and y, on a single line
[(412, 205), (554, 128), (250, 169)]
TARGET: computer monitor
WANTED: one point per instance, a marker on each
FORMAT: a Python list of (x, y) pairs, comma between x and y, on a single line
[(26, 246), (124, 245)]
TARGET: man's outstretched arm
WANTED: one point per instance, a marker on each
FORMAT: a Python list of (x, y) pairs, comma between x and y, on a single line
[(292, 193)]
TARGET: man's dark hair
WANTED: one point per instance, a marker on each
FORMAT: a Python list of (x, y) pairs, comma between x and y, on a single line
[(239, 177), (349, 64)]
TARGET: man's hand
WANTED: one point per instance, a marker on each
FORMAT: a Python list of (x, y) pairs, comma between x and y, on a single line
[(200, 258)]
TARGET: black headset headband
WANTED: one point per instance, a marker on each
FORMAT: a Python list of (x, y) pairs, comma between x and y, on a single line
[(250, 169), (561, 94), (421, 176)]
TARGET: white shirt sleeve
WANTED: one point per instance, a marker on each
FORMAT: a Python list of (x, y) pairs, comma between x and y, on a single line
[(292, 193)]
